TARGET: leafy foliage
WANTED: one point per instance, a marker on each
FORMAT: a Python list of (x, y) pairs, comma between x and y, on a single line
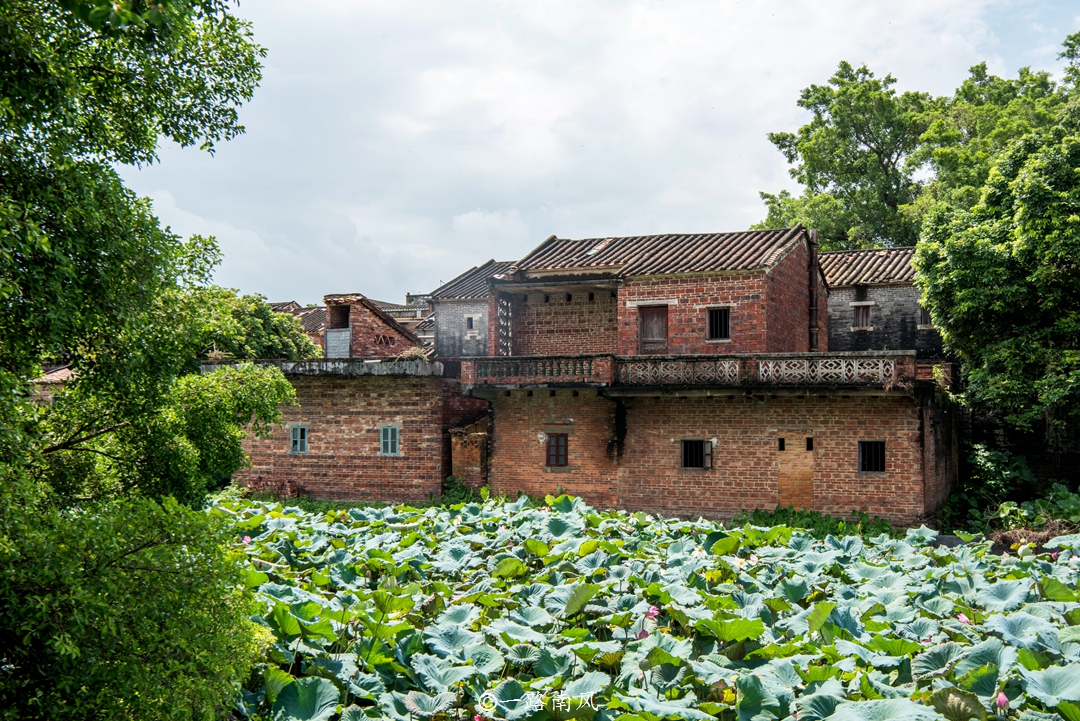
[(126, 610), (415, 612), (1001, 284), (818, 524), (247, 328)]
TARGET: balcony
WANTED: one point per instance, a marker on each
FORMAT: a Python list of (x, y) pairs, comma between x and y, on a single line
[(538, 371), (877, 370)]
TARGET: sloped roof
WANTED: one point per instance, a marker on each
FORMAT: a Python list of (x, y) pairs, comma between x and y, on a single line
[(373, 306), (877, 266), (664, 254), (288, 306), (312, 319), (473, 282)]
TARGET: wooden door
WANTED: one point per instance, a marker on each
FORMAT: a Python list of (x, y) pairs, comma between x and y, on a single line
[(795, 485), (653, 331)]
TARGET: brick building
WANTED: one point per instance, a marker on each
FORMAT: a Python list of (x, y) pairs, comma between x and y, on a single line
[(460, 311), (370, 423), (874, 304), (694, 374)]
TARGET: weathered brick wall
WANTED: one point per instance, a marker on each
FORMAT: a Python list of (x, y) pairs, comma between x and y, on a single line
[(745, 293), (451, 335), (518, 453), (788, 316), (372, 337), (941, 453), (894, 317), (557, 326), (343, 416), (648, 475), (469, 453)]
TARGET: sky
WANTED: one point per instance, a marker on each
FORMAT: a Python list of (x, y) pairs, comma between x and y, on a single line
[(394, 145)]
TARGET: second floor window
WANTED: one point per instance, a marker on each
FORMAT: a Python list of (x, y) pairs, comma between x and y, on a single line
[(924, 317), (654, 323), (719, 324), (557, 444), (862, 316)]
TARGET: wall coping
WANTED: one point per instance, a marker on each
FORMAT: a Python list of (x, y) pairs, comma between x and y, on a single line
[(342, 367)]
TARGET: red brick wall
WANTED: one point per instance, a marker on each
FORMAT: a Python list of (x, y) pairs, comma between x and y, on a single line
[(559, 327), (343, 416), (372, 337), (745, 292), (941, 454), (518, 456), (788, 316), (648, 476), (469, 453)]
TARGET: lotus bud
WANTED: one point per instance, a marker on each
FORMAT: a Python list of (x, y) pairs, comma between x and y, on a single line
[(963, 619), (642, 634), (247, 539), (1002, 701), (1054, 555)]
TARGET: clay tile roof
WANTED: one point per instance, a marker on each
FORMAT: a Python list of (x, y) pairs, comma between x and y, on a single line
[(664, 254), (312, 320), (57, 375), (878, 266), (473, 282), (425, 326), (289, 306)]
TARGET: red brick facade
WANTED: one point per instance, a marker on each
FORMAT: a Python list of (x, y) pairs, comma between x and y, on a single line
[(643, 470), (373, 333), (578, 321), (343, 416)]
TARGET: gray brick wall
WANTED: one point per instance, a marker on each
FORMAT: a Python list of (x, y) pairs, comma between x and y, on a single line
[(452, 339), (894, 317)]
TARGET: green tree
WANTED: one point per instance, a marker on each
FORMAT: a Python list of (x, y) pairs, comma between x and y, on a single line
[(1001, 280), (854, 160), (246, 327)]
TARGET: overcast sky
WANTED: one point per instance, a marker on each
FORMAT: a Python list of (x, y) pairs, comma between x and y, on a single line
[(393, 145)]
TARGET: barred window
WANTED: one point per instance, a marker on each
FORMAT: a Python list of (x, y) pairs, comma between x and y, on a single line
[(862, 316), (298, 442), (557, 449), (389, 441), (719, 324), (696, 454), (871, 456)]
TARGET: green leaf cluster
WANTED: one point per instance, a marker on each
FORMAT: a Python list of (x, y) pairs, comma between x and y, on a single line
[(507, 610)]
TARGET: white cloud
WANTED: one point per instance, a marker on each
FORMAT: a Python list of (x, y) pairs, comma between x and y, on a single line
[(393, 145)]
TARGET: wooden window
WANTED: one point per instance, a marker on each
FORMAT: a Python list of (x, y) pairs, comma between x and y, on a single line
[(389, 441), (871, 456), (862, 316), (719, 324), (924, 317), (697, 454), (298, 439), (557, 449), (654, 325)]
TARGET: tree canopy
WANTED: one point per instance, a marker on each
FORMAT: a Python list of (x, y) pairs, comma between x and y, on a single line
[(873, 162)]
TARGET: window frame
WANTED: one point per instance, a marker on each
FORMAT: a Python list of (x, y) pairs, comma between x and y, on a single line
[(858, 307), (725, 311), (925, 321), (393, 438), (552, 450), (706, 454), (866, 459), (299, 439)]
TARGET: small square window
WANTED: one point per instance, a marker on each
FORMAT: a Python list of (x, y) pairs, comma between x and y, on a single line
[(697, 454), (781, 444), (569, 298), (871, 456), (557, 449), (592, 296), (719, 324), (389, 441), (469, 322), (862, 316), (809, 444), (298, 442)]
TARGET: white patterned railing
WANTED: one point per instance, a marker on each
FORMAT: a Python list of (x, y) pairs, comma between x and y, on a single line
[(861, 371), (659, 372)]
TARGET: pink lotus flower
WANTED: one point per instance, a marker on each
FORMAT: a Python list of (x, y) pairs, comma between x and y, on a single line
[(511, 543), (1002, 701), (247, 539), (963, 619), (478, 717), (643, 634), (653, 612)]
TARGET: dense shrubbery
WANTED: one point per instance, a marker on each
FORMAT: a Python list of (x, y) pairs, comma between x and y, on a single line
[(818, 524), (513, 611)]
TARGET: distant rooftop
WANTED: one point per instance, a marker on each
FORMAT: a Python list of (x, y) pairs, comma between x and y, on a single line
[(473, 282), (877, 266)]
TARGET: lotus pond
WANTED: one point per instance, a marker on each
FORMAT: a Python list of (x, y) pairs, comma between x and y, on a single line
[(509, 610)]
